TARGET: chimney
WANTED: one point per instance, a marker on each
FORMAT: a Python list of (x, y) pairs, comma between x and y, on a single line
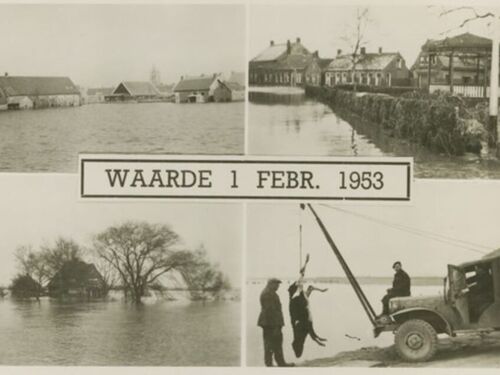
[(271, 43), (316, 54), (288, 46), (363, 50), (379, 49), (182, 77), (298, 40), (6, 74), (339, 52)]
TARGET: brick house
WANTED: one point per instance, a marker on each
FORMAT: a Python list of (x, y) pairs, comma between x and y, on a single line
[(281, 64)]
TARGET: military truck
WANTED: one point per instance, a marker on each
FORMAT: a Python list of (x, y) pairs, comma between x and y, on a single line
[(470, 303)]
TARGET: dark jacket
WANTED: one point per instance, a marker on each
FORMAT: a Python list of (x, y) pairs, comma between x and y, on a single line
[(270, 314), (401, 284)]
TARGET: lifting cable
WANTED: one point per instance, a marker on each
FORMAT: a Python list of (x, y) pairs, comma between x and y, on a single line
[(466, 245), (352, 279)]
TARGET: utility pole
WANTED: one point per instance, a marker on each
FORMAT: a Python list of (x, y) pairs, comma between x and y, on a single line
[(493, 118)]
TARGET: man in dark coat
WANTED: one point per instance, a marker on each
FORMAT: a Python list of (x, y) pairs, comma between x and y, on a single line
[(271, 321), (400, 286)]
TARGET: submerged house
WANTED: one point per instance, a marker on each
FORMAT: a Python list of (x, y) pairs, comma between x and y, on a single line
[(39, 92), (282, 64), (372, 69), (199, 89), (98, 95), (79, 279), (134, 91)]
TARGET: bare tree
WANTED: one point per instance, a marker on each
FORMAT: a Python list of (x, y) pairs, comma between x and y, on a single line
[(32, 264), (355, 38), (469, 14), (201, 276), (140, 252), (63, 250)]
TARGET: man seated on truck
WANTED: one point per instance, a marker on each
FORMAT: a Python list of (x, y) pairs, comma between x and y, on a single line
[(480, 291), (400, 287)]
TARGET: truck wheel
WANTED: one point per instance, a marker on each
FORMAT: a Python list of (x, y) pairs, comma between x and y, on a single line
[(416, 341)]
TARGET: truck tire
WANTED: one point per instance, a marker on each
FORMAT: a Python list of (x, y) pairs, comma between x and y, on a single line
[(416, 341)]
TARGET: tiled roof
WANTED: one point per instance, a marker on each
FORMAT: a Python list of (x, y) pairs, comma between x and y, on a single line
[(464, 41), (194, 83), (369, 61), (271, 53), (34, 86), (139, 88)]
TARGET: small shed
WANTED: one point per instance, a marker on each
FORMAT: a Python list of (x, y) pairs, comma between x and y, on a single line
[(77, 278)]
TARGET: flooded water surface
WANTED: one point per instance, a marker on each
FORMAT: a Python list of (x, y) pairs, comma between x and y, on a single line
[(291, 124), (115, 333), (50, 139)]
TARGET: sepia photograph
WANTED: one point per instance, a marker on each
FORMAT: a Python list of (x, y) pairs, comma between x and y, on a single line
[(124, 78), (107, 284), (376, 285), (374, 81)]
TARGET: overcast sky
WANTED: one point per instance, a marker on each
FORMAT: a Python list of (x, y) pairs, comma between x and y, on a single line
[(36, 209), (321, 27), (101, 45), (463, 210)]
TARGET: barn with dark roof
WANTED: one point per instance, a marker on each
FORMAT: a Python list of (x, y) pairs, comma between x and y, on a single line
[(39, 92), (77, 278)]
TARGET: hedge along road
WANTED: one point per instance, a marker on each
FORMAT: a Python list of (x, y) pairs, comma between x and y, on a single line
[(293, 124)]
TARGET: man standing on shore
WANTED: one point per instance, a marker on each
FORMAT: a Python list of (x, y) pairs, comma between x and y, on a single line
[(271, 321), (400, 286)]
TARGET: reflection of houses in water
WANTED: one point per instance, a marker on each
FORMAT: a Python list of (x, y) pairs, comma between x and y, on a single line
[(281, 64), (459, 65), (372, 69), (77, 278), (202, 89), (134, 91), (38, 92)]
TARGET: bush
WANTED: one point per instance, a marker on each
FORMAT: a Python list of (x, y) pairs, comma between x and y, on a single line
[(431, 120)]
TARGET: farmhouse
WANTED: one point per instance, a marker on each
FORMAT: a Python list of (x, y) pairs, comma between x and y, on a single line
[(198, 89), (134, 91), (39, 92), (372, 69), (280, 65), (77, 278)]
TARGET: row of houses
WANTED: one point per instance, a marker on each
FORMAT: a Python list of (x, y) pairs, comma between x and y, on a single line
[(19, 92), (194, 89), (447, 64)]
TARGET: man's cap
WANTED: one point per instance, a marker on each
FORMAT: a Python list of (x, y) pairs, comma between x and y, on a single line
[(273, 280), (396, 262)]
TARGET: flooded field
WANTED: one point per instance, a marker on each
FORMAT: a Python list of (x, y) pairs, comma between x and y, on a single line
[(114, 333), (291, 124), (49, 140), (338, 317)]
